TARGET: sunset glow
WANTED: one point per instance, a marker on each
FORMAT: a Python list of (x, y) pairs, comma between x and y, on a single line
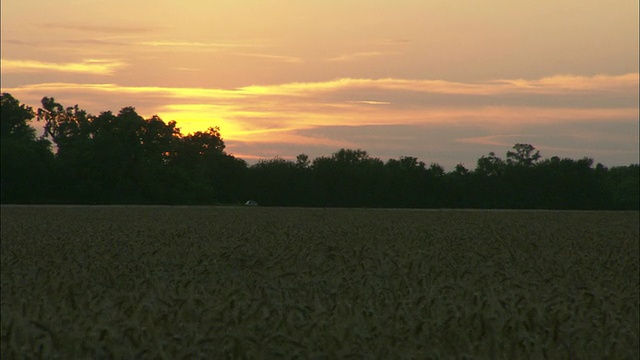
[(444, 81)]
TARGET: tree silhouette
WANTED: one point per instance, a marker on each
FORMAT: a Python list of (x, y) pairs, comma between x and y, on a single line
[(490, 165), (523, 155), (125, 158), (208, 174), (26, 162), (348, 178)]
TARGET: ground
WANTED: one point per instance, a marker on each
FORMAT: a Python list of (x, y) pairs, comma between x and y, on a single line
[(256, 282)]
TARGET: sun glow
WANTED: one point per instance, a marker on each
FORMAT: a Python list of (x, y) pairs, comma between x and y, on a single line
[(297, 113)]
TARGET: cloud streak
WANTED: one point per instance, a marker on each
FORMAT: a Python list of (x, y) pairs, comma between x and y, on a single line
[(355, 56), (231, 48), (88, 66), (293, 115), (196, 45), (96, 28), (281, 58)]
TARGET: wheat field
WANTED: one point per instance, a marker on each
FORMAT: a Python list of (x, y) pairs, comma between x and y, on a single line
[(260, 283)]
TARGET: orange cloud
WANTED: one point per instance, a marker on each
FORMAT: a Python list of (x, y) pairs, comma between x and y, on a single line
[(278, 113), (89, 66), (197, 45), (283, 58), (566, 83), (96, 28), (355, 56)]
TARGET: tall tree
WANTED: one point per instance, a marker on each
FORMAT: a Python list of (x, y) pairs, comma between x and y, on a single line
[(349, 178), (65, 126), (27, 168), (211, 175), (405, 183), (523, 154), (131, 156)]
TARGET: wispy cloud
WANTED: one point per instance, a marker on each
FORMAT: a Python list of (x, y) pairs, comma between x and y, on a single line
[(492, 94), (393, 42), (564, 83), (551, 85), (16, 42), (106, 29), (501, 140), (71, 45), (88, 66), (187, 69), (232, 48), (283, 58), (355, 56), (500, 111), (197, 45), (370, 102)]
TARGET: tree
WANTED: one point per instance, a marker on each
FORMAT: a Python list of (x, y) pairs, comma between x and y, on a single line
[(459, 185), (302, 161), (277, 182), (204, 143), (436, 170), (460, 170), (26, 162), (125, 158), (405, 183), (210, 175), (348, 178), (524, 155), (130, 156), (15, 119), (490, 165), (66, 127), (621, 184), (350, 156)]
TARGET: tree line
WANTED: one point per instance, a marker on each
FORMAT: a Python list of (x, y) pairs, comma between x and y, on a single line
[(124, 158)]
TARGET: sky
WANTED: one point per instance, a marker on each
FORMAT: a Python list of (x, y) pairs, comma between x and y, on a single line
[(444, 81)]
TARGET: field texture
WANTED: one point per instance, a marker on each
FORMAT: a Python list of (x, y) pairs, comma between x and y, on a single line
[(204, 282)]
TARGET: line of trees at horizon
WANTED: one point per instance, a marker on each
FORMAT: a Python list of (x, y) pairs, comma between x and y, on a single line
[(124, 158)]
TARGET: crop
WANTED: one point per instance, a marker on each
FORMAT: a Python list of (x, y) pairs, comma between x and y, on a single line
[(225, 282)]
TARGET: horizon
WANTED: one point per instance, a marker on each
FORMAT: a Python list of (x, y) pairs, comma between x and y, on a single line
[(444, 82)]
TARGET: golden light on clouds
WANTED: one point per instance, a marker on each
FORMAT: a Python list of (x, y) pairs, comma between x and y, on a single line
[(89, 66), (279, 113), (446, 80)]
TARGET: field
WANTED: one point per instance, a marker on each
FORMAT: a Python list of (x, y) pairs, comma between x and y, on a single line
[(226, 282)]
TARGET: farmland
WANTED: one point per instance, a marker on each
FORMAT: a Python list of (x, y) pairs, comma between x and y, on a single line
[(251, 282)]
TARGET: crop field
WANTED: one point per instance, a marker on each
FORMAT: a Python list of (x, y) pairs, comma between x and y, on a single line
[(250, 282)]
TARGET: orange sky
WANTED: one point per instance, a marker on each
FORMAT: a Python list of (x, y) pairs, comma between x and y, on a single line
[(441, 80)]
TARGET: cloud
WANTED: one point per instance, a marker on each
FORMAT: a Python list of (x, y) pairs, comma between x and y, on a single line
[(425, 115), (564, 83), (493, 140), (94, 42), (75, 45), (370, 102), (282, 58), (197, 45), (187, 69), (107, 29), (393, 42), (16, 42), (228, 47), (400, 95), (88, 66), (355, 56)]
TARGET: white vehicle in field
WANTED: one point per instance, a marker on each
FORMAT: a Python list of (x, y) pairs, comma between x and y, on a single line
[(251, 203)]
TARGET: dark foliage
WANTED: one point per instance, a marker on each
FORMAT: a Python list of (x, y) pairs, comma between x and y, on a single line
[(126, 159)]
